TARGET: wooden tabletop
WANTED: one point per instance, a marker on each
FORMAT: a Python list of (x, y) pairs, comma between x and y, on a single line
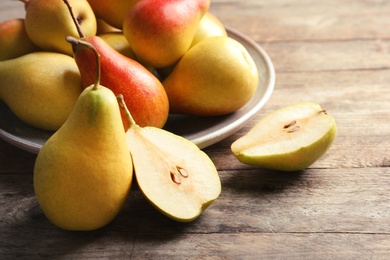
[(336, 53)]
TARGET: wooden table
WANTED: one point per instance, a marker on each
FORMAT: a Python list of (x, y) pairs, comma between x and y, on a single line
[(336, 53)]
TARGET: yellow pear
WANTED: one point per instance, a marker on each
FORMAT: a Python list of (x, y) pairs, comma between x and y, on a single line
[(217, 76), (174, 175), (40, 88), (14, 40), (209, 26), (48, 23), (83, 173), (289, 139)]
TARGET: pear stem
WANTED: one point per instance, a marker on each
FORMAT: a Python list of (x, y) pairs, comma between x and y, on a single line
[(76, 42), (80, 32), (124, 107)]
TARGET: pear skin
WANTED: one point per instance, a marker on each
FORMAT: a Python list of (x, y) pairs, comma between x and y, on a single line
[(83, 173), (118, 42), (14, 40), (112, 12), (209, 26), (48, 23), (40, 88), (289, 139), (161, 31), (174, 175), (145, 95), (217, 76)]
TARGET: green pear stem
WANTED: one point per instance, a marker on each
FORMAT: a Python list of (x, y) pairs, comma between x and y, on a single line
[(76, 42), (122, 104), (80, 32)]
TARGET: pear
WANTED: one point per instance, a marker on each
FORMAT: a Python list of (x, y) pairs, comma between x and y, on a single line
[(40, 88), (146, 96), (175, 176), (48, 23), (289, 139), (83, 173), (113, 12), (217, 76), (119, 43), (103, 27), (161, 31), (14, 40), (209, 26)]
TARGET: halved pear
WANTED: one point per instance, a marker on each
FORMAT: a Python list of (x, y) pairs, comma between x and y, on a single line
[(289, 139), (178, 178)]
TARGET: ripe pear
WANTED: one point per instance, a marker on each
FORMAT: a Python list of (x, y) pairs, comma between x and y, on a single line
[(103, 27), (119, 43), (83, 173), (289, 139), (48, 23), (14, 40), (40, 88), (209, 26), (174, 175), (161, 31), (146, 96), (217, 76), (113, 12)]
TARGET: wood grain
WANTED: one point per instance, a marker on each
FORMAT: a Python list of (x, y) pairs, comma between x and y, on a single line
[(336, 53)]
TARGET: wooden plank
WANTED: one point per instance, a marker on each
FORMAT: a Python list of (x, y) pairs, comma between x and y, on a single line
[(307, 20), (332, 212)]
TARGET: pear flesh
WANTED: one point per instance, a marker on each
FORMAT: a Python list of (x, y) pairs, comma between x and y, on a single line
[(288, 139), (83, 173), (177, 177)]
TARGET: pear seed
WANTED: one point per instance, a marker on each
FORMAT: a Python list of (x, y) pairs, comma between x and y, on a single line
[(290, 124), (294, 129), (174, 178), (183, 172)]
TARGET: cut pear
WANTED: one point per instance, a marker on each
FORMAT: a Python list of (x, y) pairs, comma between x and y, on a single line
[(178, 178), (289, 139)]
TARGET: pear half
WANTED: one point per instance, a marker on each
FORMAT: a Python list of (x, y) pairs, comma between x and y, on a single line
[(289, 139), (174, 175)]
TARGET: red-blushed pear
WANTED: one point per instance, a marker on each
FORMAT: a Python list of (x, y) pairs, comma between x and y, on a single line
[(174, 175), (161, 31), (289, 139), (14, 40), (146, 96)]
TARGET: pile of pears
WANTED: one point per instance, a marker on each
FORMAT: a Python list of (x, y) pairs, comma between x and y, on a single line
[(164, 57), (105, 75)]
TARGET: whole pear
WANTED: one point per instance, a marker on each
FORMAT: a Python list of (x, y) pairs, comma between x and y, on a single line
[(83, 173), (119, 43), (14, 40), (217, 76), (145, 95), (103, 27), (112, 12), (209, 26), (40, 88), (161, 31), (48, 23)]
